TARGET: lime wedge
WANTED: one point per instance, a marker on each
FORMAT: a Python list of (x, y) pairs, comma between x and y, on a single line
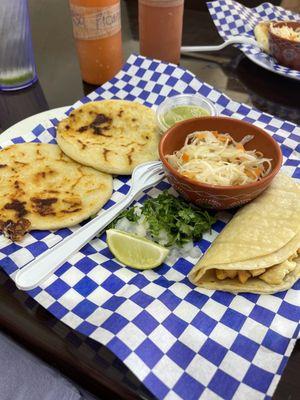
[(135, 251)]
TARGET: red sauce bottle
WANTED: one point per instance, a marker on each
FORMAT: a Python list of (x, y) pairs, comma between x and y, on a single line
[(160, 28), (97, 34)]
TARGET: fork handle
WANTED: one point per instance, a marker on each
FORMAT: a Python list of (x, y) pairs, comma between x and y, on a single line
[(46, 264), (231, 40)]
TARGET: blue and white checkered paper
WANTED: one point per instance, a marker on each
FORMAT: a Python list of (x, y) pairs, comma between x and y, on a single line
[(180, 341), (80, 345), (232, 18)]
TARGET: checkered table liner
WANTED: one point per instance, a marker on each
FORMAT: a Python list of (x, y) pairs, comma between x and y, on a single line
[(78, 344), (180, 341), (232, 18)]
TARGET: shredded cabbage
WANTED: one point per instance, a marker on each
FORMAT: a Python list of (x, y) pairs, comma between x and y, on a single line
[(286, 32), (217, 159)]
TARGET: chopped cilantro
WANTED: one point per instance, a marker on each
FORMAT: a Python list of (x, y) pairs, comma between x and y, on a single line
[(179, 220)]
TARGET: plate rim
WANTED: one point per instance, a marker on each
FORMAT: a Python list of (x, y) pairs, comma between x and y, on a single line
[(31, 122), (252, 58)]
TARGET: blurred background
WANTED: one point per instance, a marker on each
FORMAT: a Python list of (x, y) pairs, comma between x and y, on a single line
[(60, 81)]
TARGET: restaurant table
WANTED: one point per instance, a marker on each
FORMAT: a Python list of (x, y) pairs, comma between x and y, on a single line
[(86, 362)]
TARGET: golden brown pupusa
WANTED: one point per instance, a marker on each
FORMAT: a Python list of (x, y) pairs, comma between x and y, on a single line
[(42, 188), (113, 136)]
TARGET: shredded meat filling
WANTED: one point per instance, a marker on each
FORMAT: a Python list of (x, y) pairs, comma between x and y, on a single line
[(273, 275), (15, 230)]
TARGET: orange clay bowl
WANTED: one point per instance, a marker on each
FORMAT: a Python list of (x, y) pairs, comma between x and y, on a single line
[(286, 51), (214, 196)]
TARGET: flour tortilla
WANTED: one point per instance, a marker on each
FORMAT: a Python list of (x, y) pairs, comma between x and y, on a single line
[(40, 184), (263, 234), (112, 136)]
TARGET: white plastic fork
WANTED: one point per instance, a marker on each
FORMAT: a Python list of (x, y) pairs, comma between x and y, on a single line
[(233, 40), (35, 272)]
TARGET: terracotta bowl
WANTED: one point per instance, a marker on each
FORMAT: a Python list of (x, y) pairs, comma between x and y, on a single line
[(286, 52), (213, 196)]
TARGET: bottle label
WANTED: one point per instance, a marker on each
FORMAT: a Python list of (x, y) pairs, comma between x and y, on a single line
[(90, 23)]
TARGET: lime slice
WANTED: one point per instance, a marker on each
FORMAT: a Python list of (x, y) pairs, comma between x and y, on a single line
[(135, 251)]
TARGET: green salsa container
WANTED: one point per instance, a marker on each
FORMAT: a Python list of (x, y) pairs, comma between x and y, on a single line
[(183, 106)]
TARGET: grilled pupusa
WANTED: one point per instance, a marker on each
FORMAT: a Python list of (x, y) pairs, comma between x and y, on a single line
[(113, 136), (42, 188)]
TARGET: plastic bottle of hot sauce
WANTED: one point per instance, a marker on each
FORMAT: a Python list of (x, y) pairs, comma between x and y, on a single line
[(97, 33), (160, 29)]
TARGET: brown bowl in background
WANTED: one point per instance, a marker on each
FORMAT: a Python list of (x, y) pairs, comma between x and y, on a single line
[(286, 51), (214, 196)]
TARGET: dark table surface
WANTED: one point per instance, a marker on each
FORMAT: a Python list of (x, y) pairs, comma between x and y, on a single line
[(82, 359)]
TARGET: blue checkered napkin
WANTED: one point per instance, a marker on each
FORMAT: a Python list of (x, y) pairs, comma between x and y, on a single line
[(180, 341), (232, 18)]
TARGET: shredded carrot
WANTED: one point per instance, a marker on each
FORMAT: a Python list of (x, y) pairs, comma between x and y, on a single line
[(215, 133), (185, 157), (201, 135), (239, 146), (257, 171), (249, 173), (222, 138), (254, 172), (189, 175)]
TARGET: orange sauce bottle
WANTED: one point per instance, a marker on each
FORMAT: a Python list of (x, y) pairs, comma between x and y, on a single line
[(160, 29), (97, 33)]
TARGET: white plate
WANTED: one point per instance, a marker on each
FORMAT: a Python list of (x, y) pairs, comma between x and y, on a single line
[(28, 124), (234, 19), (267, 66)]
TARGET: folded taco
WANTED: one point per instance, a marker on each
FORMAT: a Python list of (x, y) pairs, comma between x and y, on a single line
[(259, 249)]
